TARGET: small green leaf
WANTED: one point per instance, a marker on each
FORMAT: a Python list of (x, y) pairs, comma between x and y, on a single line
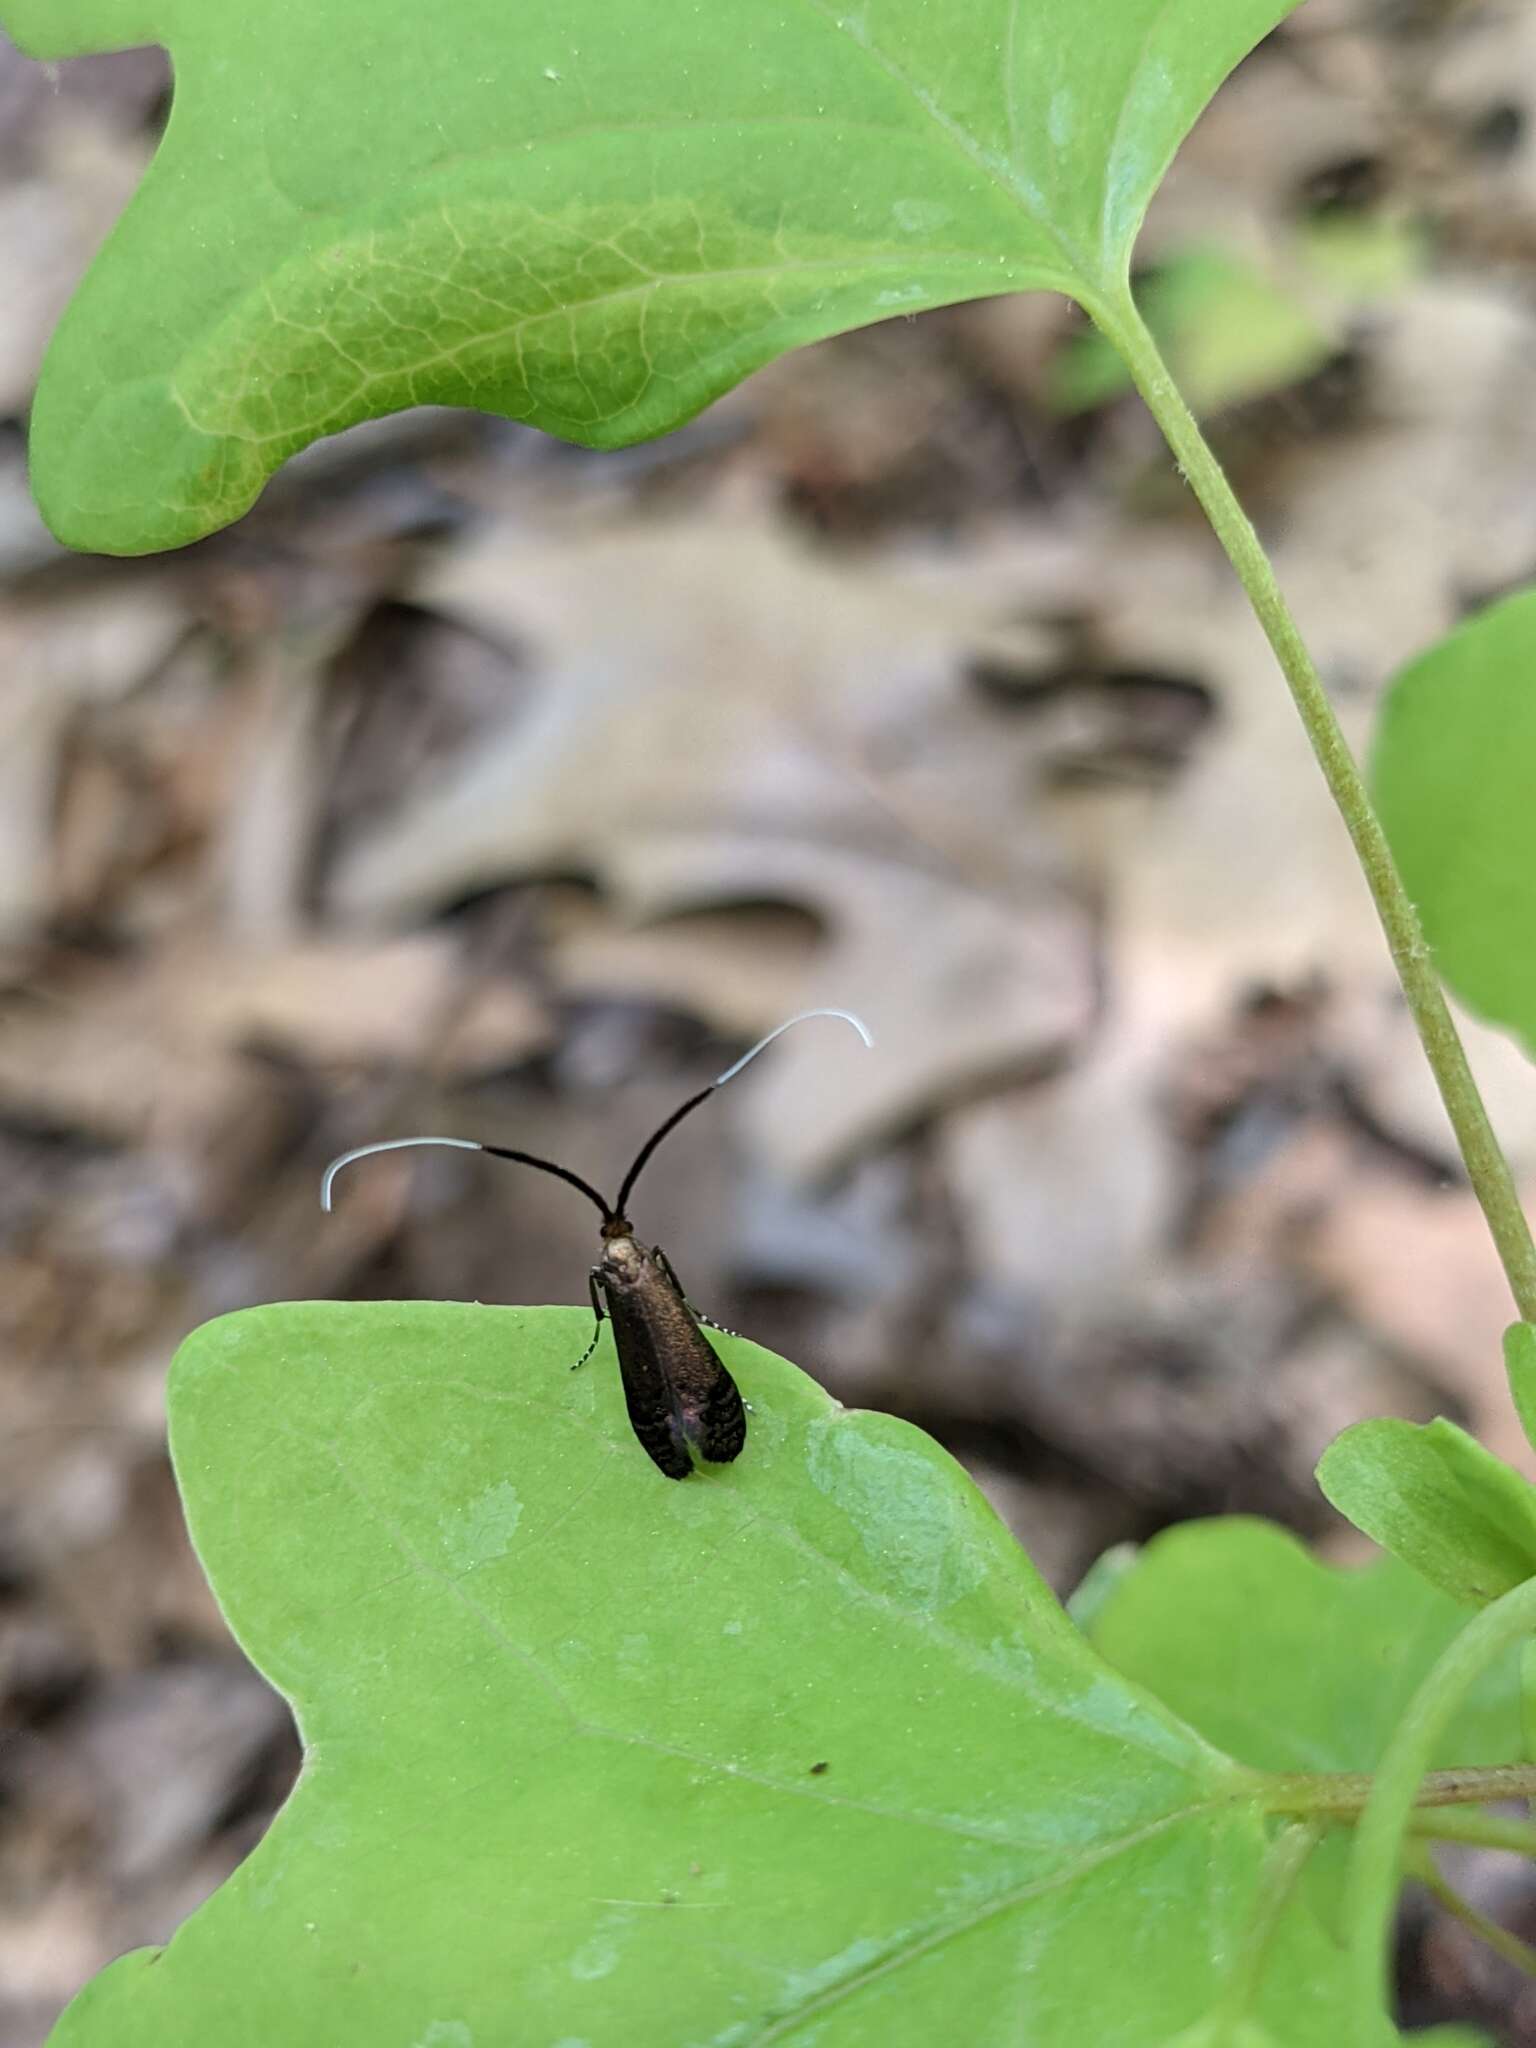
[(1097, 1585), (797, 1751), (1451, 774), (595, 215), (1289, 1664), (1293, 1666), (1364, 257), (1431, 1495), (1520, 1364)]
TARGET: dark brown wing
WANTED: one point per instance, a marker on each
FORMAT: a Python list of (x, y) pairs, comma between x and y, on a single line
[(716, 1422), (676, 1388), (648, 1393)]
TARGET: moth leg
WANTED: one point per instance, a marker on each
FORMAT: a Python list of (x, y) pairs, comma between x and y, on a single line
[(697, 1313), (594, 1288)]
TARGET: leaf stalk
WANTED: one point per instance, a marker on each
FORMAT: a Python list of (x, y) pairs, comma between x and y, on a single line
[(1422, 1865), (1486, 1165), (1376, 1854), (1346, 1794)]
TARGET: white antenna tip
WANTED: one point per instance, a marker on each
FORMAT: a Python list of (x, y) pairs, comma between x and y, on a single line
[(328, 1178), (801, 1017)]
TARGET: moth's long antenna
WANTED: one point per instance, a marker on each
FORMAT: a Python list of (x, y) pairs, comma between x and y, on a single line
[(672, 1122), (789, 1024), (608, 1214), (564, 1173)]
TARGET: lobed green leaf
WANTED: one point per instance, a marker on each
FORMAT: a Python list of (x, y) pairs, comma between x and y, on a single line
[(799, 1750), (1289, 1664), (1298, 1667), (594, 215)]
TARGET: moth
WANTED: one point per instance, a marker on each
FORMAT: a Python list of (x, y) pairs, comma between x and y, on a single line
[(680, 1397)]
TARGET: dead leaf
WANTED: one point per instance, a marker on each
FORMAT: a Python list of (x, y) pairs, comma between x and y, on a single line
[(783, 784), (731, 967), (1418, 1266), (54, 661)]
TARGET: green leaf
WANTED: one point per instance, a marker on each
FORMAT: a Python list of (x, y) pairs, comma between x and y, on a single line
[(1098, 1584), (1288, 1664), (596, 215), (1520, 1364), (1432, 1495), (798, 1751), (1295, 1666), (1365, 256), (1451, 774), (1229, 333)]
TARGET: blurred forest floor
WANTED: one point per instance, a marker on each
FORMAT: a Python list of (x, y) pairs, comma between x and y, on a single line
[(483, 785)]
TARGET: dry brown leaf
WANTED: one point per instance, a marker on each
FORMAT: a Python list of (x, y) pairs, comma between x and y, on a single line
[(1067, 1191), (1412, 1263), (48, 1947), (95, 648), (731, 968), (1372, 1035), (1418, 1266), (1239, 176), (158, 1052), (1484, 72), (790, 785), (50, 227), (1391, 530), (326, 1002)]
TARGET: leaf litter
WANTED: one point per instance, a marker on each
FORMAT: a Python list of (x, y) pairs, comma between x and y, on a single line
[(474, 783)]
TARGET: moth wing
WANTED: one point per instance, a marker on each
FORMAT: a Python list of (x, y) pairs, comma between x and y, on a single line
[(648, 1393), (718, 1421)]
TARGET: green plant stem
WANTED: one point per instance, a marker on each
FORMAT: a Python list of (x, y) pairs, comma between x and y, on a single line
[(1485, 1161), (1283, 1865), (1503, 1943), (1347, 1793), (1371, 1887), (1484, 1830)]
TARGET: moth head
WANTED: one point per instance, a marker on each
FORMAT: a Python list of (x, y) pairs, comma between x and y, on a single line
[(619, 1239)]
